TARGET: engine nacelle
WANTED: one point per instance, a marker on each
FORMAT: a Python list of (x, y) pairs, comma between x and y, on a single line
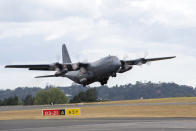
[(125, 68)]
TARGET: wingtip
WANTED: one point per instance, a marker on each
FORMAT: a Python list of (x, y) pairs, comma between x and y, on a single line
[(7, 66), (10, 66), (36, 77), (39, 76), (170, 57)]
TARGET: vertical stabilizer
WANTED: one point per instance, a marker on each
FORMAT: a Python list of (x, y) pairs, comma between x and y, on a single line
[(65, 55)]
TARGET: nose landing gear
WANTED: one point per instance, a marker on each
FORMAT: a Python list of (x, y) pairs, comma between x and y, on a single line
[(113, 75)]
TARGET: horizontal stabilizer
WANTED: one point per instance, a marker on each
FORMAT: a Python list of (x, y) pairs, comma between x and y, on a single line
[(45, 76)]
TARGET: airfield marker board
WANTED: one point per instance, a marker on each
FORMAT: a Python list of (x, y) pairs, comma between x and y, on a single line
[(57, 112), (53, 112), (72, 111)]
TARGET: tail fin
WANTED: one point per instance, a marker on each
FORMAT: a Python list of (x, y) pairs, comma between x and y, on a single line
[(65, 54)]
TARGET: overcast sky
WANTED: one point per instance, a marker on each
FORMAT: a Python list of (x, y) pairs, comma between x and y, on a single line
[(32, 32)]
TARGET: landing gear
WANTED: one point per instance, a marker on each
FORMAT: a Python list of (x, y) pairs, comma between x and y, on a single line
[(83, 81), (104, 81), (114, 75)]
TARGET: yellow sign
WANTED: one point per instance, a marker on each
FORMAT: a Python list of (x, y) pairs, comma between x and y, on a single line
[(72, 112)]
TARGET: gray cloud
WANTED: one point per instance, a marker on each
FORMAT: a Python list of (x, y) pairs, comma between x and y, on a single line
[(44, 10), (32, 32)]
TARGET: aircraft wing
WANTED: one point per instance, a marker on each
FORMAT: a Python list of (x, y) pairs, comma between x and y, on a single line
[(45, 67), (52, 67), (144, 60)]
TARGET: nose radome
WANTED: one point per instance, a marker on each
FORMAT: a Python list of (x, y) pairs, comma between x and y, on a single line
[(116, 61), (119, 63)]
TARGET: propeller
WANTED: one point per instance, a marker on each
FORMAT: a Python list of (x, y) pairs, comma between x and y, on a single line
[(125, 57), (142, 60), (124, 66), (58, 57), (59, 68), (146, 54)]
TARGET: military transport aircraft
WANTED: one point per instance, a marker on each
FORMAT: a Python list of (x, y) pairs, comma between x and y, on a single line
[(86, 73)]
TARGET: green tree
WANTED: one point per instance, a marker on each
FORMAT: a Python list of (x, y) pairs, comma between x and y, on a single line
[(81, 97), (42, 97), (89, 96), (29, 100), (57, 96), (54, 95), (11, 101)]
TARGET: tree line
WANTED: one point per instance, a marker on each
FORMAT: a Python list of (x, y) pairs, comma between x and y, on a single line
[(77, 93), (51, 96)]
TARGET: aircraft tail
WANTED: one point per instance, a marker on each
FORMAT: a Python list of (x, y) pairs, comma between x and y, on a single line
[(65, 55)]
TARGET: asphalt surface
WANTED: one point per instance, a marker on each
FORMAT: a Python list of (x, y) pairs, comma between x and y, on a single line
[(115, 124), (8, 108)]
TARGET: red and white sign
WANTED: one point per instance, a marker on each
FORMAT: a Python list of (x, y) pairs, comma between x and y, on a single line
[(55, 112)]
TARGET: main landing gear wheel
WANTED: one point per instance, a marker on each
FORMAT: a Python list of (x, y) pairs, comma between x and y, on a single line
[(104, 81), (114, 75)]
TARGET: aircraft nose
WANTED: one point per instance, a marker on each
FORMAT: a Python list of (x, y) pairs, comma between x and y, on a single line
[(117, 62)]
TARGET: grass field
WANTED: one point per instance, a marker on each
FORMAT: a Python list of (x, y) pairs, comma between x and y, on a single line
[(161, 100), (117, 111)]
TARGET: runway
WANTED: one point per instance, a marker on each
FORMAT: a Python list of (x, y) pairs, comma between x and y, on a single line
[(112, 124)]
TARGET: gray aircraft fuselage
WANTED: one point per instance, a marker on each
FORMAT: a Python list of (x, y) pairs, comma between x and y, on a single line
[(99, 70)]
